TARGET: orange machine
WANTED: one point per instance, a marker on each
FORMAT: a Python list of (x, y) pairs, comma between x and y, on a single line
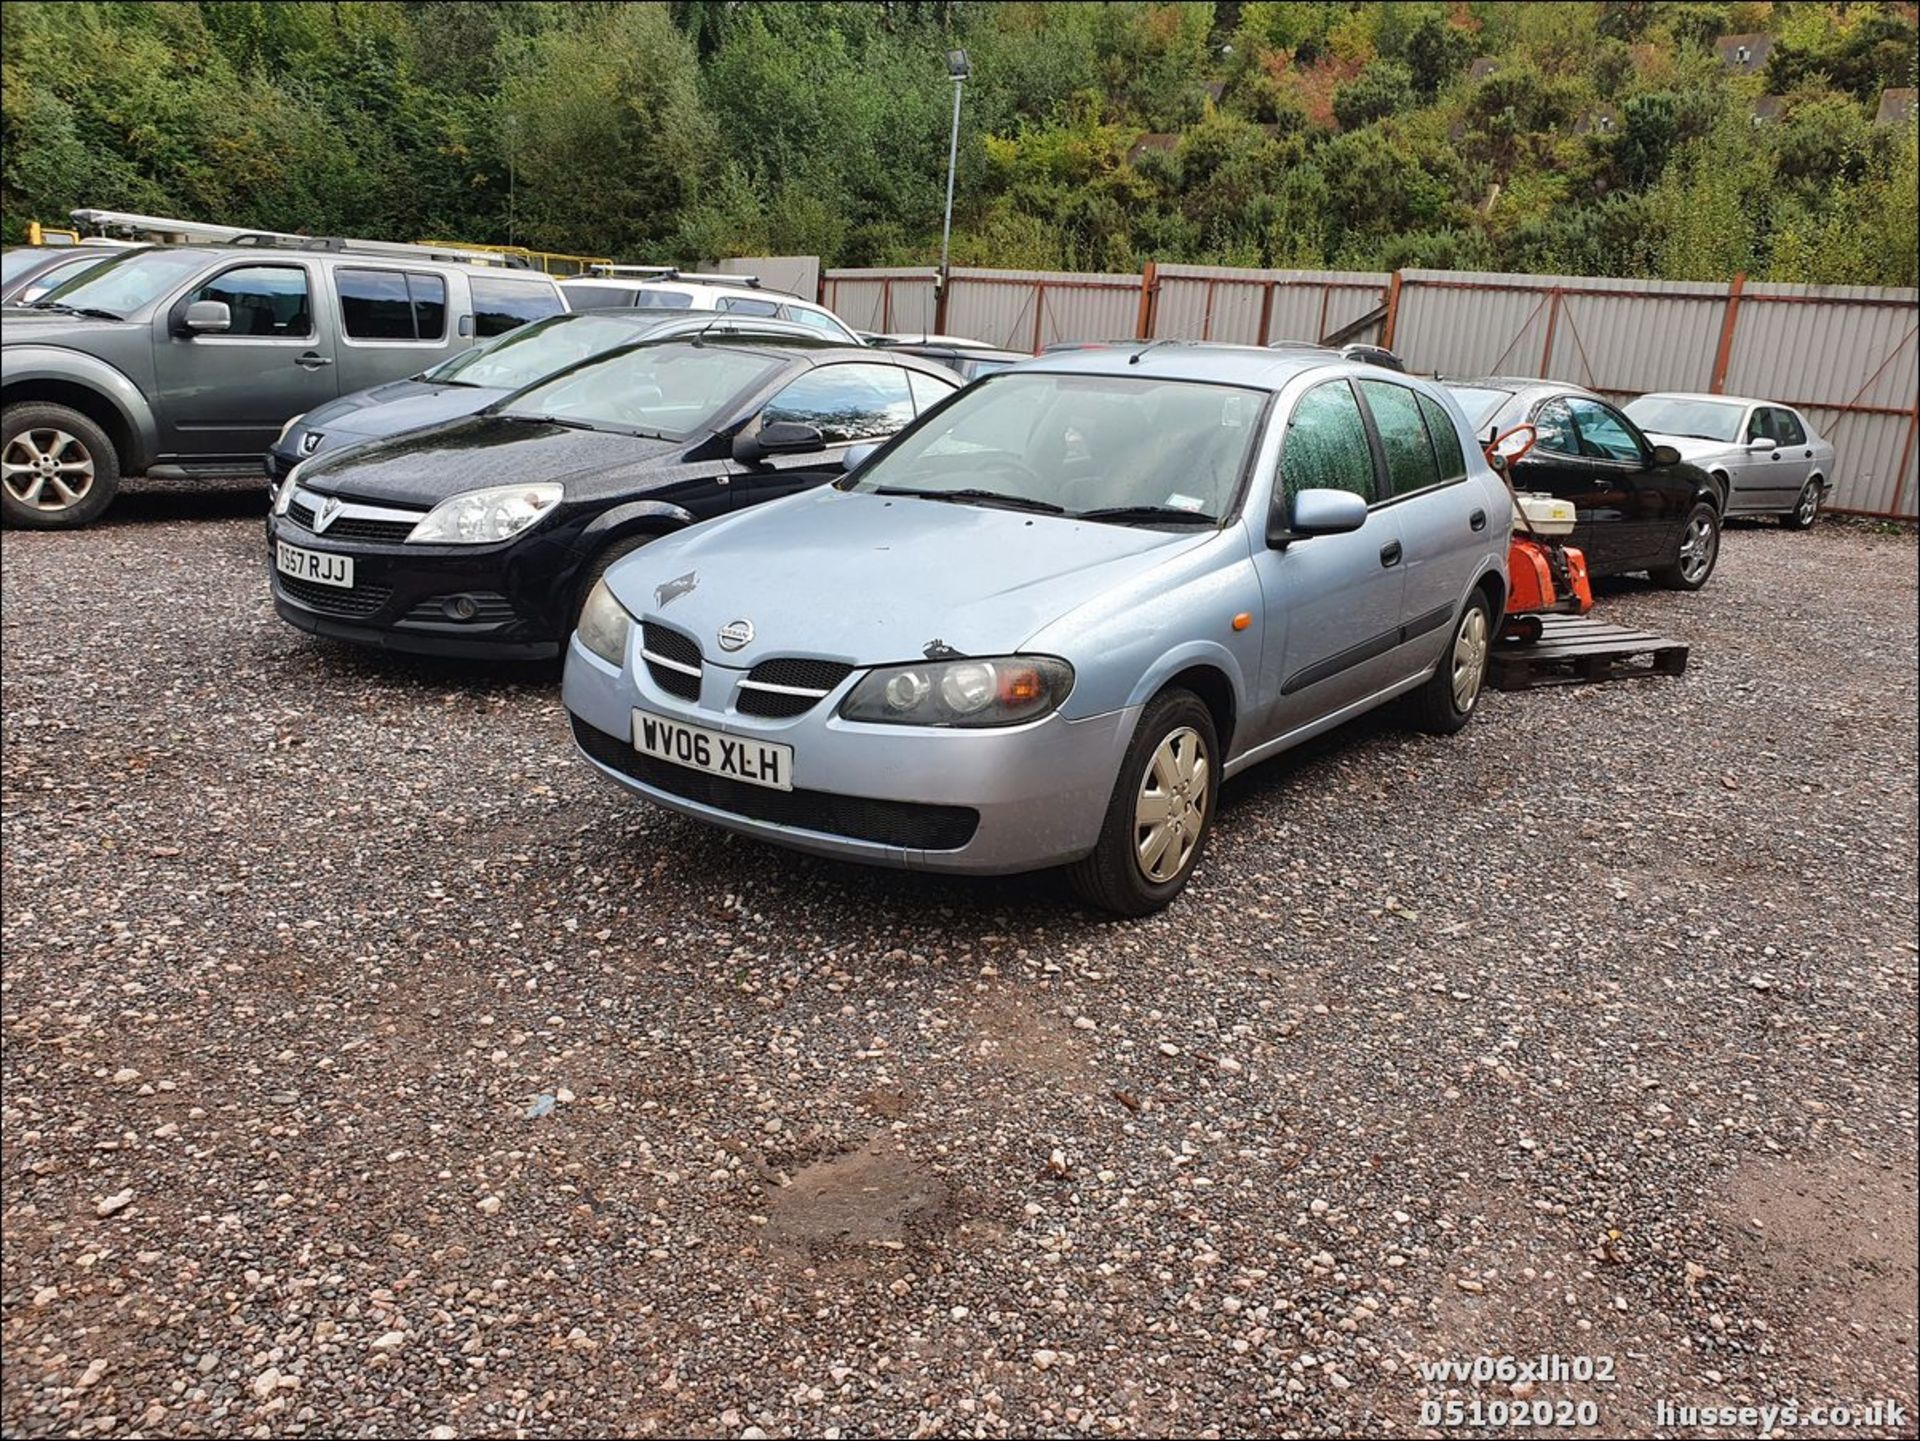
[(1546, 576)]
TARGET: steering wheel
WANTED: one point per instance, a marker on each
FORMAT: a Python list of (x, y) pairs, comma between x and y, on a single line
[(1000, 460)]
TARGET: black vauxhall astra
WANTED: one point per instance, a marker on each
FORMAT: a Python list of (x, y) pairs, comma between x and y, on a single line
[(481, 537)]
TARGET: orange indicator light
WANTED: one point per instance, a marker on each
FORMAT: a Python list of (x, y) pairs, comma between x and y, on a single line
[(1243, 620), (1019, 686)]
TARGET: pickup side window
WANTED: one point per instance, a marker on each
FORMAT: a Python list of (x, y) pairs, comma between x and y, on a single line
[(391, 304), (499, 305), (269, 302)]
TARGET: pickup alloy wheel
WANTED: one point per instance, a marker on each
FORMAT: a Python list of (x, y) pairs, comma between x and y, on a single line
[(56, 467), (47, 468)]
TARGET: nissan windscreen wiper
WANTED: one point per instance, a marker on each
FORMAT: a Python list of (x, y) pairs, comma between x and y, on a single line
[(90, 312), (1145, 514), (978, 497)]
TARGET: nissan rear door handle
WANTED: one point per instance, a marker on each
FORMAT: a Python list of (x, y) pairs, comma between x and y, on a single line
[(1390, 553), (311, 361)]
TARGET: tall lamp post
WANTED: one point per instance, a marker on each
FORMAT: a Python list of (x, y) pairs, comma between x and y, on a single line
[(957, 70)]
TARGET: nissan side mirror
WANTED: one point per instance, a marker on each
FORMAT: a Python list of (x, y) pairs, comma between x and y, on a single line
[(1316, 512), (777, 437), (856, 455), (1667, 455), (207, 317)]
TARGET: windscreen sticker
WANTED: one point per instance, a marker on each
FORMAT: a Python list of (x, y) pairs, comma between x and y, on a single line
[(1176, 501)]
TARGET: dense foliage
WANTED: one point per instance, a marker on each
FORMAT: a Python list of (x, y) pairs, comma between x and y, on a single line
[(1604, 139)]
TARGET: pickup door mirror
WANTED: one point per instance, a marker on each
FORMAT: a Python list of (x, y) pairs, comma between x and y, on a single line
[(206, 317), (1666, 455), (777, 437), (1316, 512)]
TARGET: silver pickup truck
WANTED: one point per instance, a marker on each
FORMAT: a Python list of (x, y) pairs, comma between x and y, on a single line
[(188, 360)]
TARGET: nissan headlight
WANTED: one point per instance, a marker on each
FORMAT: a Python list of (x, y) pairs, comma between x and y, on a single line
[(483, 517), (991, 691), (605, 625), (283, 497)]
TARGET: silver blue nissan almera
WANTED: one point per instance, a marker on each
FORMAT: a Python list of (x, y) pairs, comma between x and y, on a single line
[(1041, 625)]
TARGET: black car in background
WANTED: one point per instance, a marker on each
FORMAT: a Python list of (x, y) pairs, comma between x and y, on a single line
[(1637, 506), (480, 537)]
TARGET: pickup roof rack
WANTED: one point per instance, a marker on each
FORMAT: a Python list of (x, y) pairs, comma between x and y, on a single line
[(190, 232), (673, 272)]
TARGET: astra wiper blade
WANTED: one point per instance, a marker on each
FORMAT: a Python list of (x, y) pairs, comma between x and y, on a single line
[(560, 420), (978, 497), (1122, 514)]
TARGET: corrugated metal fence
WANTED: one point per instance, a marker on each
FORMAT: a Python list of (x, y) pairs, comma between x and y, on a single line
[(1844, 354)]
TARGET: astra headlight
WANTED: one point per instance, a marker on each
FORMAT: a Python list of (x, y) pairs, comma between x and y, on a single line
[(987, 691), (483, 517), (283, 497)]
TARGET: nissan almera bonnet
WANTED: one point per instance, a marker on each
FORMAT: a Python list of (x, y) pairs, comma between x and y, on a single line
[(1041, 625)]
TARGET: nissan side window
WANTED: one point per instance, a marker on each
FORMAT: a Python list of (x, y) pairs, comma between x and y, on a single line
[(1553, 427), (267, 302), (391, 304), (927, 390), (1403, 435), (846, 402), (1325, 447), (1446, 440), (500, 305), (1604, 433), (429, 294)]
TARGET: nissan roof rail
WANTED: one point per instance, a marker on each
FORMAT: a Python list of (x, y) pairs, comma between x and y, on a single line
[(192, 232)]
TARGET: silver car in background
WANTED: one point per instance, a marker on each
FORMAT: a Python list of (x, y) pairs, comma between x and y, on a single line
[(1045, 622), (1766, 457)]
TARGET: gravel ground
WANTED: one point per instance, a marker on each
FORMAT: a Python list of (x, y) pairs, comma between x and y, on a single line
[(371, 1068)]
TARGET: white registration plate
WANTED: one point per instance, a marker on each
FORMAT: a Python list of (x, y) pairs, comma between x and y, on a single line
[(314, 565), (758, 763)]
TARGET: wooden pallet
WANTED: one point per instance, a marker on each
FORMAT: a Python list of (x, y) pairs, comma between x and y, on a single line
[(1579, 650)]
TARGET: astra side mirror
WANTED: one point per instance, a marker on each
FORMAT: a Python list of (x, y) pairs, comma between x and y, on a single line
[(1665, 455), (206, 317), (777, 437), (1315, 512)]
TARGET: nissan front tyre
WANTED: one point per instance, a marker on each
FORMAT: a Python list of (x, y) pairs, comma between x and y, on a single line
[(58, 470), (1162, 808), (1806, 509), (1699, 550), (1447, 701)]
